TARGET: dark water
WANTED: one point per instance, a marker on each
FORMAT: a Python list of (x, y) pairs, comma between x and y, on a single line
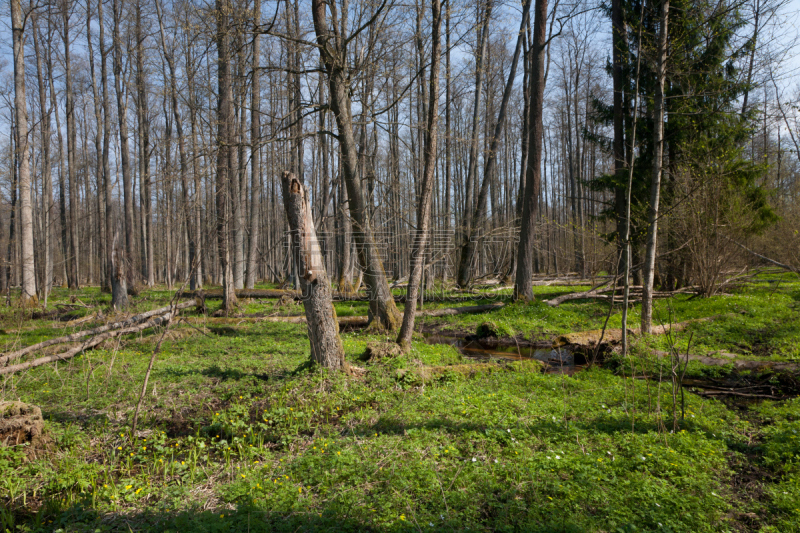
[(557, 360)]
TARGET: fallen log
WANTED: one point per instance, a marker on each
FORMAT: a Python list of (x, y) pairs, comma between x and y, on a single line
[(337, 296), (460, 310), (241, 293), (352, 321), (605, 294), (94, 331), (91, 343)]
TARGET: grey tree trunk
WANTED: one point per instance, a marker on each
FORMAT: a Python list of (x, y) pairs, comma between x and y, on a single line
[(523, 287), (323, 328), (47, 177), (426, 187), (122, 116), (255, 155), (225, 170), (73, 274), (618, 43), (169, 55), (383, 312), (655, 183), (464, 268), (21, 121), (116, 261), (469, 245), (98, 137), (144, 150)]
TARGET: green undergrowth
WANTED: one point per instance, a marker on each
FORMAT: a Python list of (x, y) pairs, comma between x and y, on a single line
[(237, 434)]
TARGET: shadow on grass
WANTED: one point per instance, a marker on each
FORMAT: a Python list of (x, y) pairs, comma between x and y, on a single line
[(251, 519), (388, 425), (226, 374)]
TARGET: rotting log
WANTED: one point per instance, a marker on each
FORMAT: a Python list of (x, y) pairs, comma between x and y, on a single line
[(335, 295), (94, 331), (447, 311), (605, 294), (323, 330), (242, 293), (353, 321)]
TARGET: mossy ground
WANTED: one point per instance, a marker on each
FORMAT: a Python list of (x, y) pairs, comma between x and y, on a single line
[(234, 437)]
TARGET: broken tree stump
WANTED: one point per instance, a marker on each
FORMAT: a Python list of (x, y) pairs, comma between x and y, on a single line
[(323, 329)]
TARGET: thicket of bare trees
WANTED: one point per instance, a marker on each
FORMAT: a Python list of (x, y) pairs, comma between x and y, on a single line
[(146, 142)]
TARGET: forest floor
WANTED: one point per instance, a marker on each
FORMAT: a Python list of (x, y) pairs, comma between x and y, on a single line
[(237, 434)]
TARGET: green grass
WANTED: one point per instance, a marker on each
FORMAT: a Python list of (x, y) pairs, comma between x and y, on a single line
[(235, 436)]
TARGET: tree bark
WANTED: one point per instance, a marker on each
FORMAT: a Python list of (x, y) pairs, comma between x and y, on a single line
[(472, 165), (224, 167), (47, 177), (22, 151), (323, 329), (523, 288), (618, 43), (333, 52), (255, 154), (73, 274), (426, 187), (469, 245), (122, 117), (655, 183), (144, 151)]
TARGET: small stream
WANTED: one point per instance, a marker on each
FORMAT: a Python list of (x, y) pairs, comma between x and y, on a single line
[(557, 360)]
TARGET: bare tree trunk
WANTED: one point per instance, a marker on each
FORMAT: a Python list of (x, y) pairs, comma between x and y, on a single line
[(469, 245), (116, 262), (98, 137), (618, 43), (144, 150), (255, 154), (47, 177), (426, 187), (74, 251), (332, 48), (323, 329), (224, 167), (196, 206), (655, 183), (523, 287), (447, 127), (122, 116), (526, 102), (21, 121), (169, 55), (483, 40)]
